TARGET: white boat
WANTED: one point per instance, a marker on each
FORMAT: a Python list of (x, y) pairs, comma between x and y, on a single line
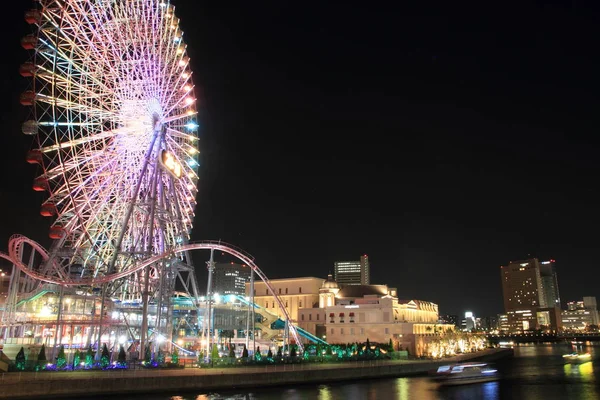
[(577, 358), (465, 373)]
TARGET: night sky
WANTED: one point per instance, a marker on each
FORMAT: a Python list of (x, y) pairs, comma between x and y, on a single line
[(441, 140)]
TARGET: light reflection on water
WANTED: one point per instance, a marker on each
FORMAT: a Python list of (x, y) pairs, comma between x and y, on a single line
[(537, 372)]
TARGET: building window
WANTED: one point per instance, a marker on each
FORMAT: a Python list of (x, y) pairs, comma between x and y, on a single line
[(273, 305), (286, 292), (300, 289), (317, 317), (302, 317), (341, 331), (387, 331), (255, 292), (352, 331), (279, 290), (300, 304), (362, 331), (332, 331), (267, 292), (310, 317), (286, 304)]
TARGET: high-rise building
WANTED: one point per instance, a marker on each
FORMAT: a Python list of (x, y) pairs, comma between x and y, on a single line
[(530, 291), (550, 283), (231, 278), (352, 272)]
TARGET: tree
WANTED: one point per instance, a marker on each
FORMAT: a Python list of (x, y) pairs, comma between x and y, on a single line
[(231, 352), (89, 358), (293, 352), (270, 354), (391, 346), (201, 356), (122, 357), (76, 359), (20, 361), (279, 352), (160, 357), (175, 356), (257, 355), (61, 360), (214, 355), (245, 352), (368, 346), (104, 357), (42, 355), (147, 354)]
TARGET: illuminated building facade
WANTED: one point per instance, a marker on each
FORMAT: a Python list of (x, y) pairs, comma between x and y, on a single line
[(352, 272), (231, 278), (355, 313), (581, 315), (295, 293), (531, 298)]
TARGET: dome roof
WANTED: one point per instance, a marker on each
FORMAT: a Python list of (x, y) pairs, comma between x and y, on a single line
[(330, 283)]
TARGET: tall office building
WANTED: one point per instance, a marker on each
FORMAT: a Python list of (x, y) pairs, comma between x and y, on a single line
[(550, 283), (352, 272), (231, 278), (530, 291)]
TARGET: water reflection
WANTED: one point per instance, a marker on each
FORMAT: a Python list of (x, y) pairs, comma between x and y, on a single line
[(537, 372)]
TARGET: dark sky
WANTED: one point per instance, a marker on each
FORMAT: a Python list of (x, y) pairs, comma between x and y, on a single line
[(441, 140)]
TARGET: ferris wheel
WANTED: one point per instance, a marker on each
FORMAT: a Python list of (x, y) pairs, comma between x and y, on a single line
[(113, 121)]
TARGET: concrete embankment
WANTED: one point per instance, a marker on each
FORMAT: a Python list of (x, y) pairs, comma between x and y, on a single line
[(88, 383)]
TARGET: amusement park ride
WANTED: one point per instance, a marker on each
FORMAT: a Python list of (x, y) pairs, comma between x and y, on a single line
[(114, 126)]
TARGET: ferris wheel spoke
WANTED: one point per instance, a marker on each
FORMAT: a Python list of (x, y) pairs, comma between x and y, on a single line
[(86, 139)]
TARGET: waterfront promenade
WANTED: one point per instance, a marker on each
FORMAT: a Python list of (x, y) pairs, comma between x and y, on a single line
[(23, 385)]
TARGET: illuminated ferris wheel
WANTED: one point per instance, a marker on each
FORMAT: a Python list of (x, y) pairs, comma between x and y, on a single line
[(114, 124)]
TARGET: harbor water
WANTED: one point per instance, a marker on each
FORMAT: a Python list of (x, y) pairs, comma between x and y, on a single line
[(537, 372)]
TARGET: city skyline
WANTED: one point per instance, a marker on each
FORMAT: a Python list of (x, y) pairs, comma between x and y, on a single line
[(439, 144)]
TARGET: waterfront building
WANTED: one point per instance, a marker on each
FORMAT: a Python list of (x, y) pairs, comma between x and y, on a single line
[(581, 315), (352, 272), (355, 313), (231, 278), (531, 299), (295, 294)]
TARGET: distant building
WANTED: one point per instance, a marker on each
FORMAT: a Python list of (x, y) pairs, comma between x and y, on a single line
[(503, 323), (449, 319), (352, 272), (469, 322), (531, 298), (489, 323), (580, 314), (550, 284), (231, 278)]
